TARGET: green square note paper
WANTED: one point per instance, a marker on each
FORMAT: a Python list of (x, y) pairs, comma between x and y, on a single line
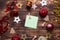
[(31, 21)]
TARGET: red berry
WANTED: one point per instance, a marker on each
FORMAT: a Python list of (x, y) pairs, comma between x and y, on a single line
[(43, 12), (49, 27)]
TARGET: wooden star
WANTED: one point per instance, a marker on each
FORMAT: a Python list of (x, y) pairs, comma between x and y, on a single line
[(23, 36), (19, 5)]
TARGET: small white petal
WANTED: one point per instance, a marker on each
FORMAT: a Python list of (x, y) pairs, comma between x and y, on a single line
[(12, 31), (34, 6)]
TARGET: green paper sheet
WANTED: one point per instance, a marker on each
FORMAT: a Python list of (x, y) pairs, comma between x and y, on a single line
[(31, 21)]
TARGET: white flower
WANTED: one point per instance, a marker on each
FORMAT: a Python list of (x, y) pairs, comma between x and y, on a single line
[(16, 19), (43, 2), (34, 6)]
